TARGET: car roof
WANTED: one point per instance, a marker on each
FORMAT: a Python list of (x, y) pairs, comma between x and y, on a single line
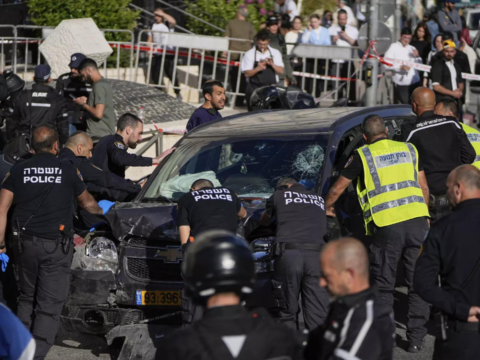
[(280, 122)]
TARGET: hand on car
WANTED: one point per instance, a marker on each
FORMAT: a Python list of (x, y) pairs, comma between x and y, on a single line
[(162, 156), (474, 314), (331, 212)]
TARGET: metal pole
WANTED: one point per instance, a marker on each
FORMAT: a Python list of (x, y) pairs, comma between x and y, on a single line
[(372, 64), (398, 19)]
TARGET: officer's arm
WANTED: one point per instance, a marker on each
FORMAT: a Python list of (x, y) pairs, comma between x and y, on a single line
[(268, 214), (13, 119), (422, 180), (184, 231), (334, 193), (6, 199), (87, 202), (242, 214), (107, 179), (62, 121), (425, 280)]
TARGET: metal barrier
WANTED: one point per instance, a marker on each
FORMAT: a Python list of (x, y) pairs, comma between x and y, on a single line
[(8, 40), (120, 45)]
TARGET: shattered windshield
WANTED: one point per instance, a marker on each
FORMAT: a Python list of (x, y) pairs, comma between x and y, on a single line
[(250, 167)]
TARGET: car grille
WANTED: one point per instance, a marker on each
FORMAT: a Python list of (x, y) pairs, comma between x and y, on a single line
[(111, 314), (153, 270), (137, 241)]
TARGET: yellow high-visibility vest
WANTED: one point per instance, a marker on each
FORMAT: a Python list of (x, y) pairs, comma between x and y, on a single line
[(390, 192), (474, 138)]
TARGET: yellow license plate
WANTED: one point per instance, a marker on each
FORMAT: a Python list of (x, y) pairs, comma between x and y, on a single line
[(159, 298)]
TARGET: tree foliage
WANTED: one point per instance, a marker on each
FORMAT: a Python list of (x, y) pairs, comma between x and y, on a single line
[(107, 14), (219, 12)]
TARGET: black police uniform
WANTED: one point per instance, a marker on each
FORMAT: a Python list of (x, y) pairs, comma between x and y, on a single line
[(359, 326), (442, 145), (69, 85), (203, 210), (301, 226), (103, 185), (231, 332), (452, 251), (110, 154), (44, 190), (41, 105)]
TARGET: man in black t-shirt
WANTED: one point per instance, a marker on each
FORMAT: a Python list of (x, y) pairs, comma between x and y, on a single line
[(207, 208), (301, 226)]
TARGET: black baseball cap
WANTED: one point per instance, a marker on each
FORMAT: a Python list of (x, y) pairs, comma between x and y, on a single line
[(43, 72), (272, 20), (76, 60)]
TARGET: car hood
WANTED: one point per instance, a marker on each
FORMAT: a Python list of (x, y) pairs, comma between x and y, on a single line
[(158, 221)]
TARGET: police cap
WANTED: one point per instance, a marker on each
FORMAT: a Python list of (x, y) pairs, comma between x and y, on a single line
[(43, 72), (76, 60), (218, 262), (272, 20)]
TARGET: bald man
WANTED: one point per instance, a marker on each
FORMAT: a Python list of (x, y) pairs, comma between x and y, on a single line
[(442, 146), (452, 252), (359, 325)]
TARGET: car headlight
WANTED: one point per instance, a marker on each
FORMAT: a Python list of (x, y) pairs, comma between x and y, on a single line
[(261, 249), (100, 254)]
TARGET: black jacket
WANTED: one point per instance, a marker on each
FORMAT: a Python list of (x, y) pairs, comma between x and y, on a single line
[(442, 146), (451, 250), (48, 108), (69, 86), (102, 184), (207, 338), (359, 326), (460, 58), (110, 154)]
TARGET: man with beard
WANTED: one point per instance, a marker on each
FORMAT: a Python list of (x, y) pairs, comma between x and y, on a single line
[(110, 154), (99, 105), (71, 86), (214, 94)]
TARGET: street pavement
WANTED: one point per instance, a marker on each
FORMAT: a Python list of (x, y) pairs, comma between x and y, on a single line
[(75, 346)]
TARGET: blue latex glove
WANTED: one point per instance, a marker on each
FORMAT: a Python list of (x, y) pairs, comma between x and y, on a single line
[(105, 205), (307, 183), (4, 261)]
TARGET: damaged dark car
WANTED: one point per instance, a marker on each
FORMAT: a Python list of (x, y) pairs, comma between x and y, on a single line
[(129, 274)]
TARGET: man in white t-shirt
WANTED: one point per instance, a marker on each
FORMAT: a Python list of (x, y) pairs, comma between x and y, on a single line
[(405, 78), (343, 35), (352, 20), (162, 19), (261, 65), (286, 7)]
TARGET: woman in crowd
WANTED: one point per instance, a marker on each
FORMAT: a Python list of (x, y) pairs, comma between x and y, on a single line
[(437, 44), (285, 24), (327, 19), (294, 36), (421, 40)]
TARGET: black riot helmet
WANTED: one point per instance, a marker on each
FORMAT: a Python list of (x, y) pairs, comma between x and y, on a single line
[(14, 82), (218, 262), (280, 97)]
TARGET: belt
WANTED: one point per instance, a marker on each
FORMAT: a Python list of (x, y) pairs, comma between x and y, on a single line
[(34, 238), (463, 326), (302, 246)]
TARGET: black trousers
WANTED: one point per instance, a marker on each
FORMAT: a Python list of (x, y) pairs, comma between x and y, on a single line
[(297, 272), (167, 70), (438, 207), (44, 281), (401, 94), (390, 243), (464, 345)]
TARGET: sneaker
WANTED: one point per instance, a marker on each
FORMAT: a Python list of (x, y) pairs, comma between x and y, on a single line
[(179, 97), (414, 349)]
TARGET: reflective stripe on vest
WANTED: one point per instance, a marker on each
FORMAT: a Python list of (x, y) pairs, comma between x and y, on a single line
[(473, 136), (380, 200)]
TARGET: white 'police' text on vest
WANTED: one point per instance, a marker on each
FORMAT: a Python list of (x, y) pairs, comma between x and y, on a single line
[(299, 198), (212, 194), (41, 175)]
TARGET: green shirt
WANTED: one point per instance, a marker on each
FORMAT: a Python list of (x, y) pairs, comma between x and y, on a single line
[(102, 94)]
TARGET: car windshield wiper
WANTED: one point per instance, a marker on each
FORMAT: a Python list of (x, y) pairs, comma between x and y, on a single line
[(159, 198)]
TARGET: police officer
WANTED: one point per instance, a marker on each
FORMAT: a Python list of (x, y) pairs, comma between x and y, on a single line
[(103, 185), (205, 208), (392, 191), (71, 86), (442, 145), (42, 190), (277, 41), (359, 324), (449, 108), (301, 226), (110, 153), (219, 273), (41, 105), (450, 258)]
